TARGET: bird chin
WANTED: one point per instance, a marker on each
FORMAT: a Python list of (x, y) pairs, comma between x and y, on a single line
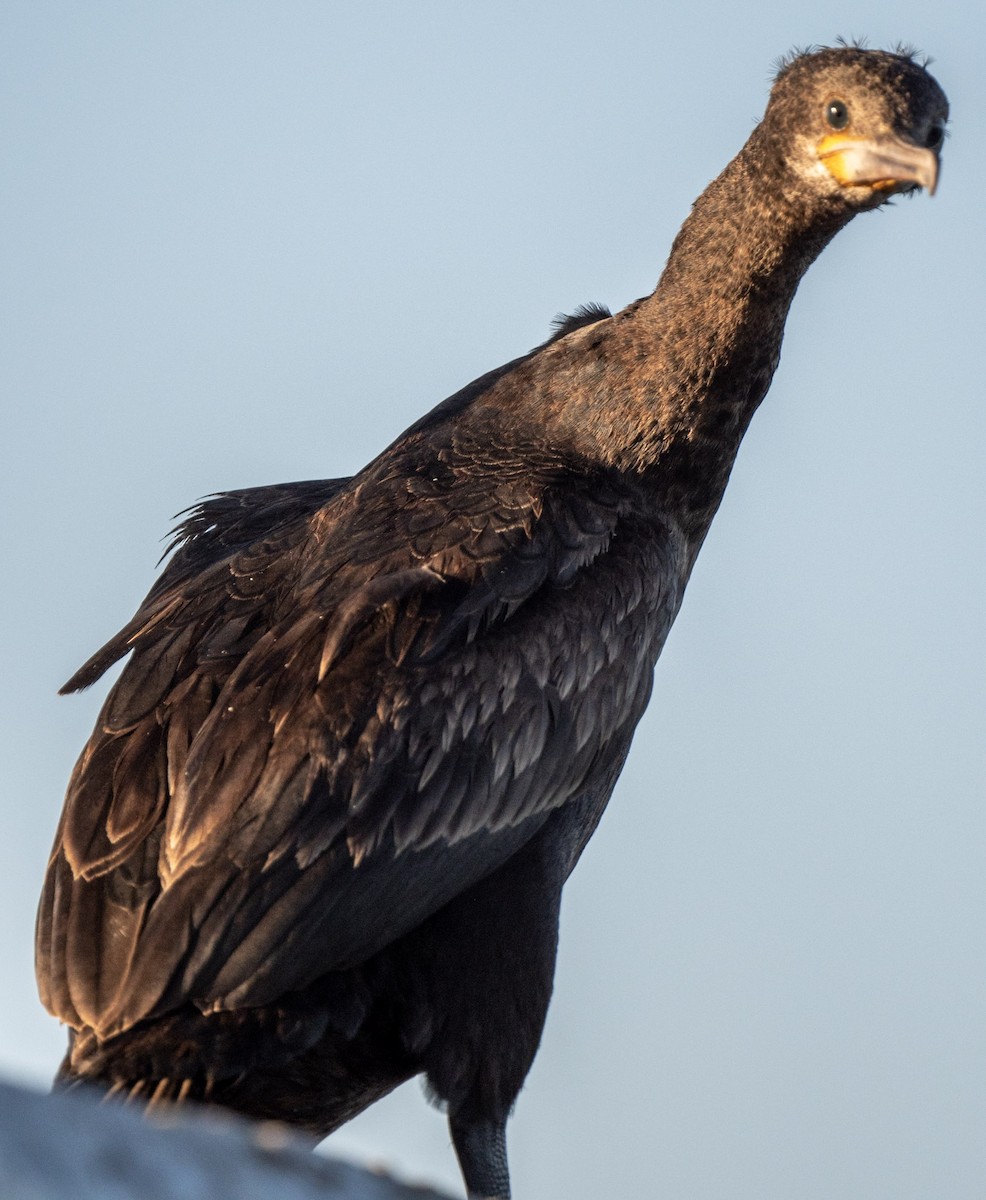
[(894, 187)]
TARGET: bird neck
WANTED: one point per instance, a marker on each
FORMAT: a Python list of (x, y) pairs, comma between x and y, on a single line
[(710, 333), (736, 262)]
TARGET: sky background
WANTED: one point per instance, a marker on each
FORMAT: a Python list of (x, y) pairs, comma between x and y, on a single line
[(244, 243)]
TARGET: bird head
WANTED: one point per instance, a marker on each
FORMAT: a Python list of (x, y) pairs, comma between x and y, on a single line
[(859, 125)]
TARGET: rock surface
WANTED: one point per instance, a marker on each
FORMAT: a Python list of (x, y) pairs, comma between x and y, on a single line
[(71, 1147)]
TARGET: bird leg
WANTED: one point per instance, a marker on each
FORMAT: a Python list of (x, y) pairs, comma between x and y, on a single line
[(481, 1147)]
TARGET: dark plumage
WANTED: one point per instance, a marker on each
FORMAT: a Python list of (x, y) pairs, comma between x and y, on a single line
[(317, 841)]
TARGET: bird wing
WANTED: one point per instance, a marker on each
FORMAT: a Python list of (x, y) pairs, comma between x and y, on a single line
[(212, 531), (331, 726)]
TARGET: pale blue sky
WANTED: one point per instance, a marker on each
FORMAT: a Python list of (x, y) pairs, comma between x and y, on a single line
[(251, 242)]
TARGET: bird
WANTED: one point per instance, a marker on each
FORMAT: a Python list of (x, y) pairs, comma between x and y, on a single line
[(317, 841)]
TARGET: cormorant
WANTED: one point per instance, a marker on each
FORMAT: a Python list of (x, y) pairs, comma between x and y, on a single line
[(317, 842)]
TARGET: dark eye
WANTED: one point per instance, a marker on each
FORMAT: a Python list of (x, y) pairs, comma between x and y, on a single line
[(837, 114), (936, 135)]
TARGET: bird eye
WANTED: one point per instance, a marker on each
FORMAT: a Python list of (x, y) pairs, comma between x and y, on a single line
[(837, 114), (936, 135)]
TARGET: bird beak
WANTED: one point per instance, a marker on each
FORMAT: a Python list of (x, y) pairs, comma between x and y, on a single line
[(886, 164)]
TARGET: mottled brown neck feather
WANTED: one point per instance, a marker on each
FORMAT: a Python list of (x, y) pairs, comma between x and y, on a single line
[(667, 387)]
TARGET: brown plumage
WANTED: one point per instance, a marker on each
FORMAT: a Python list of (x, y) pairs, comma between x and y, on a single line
[(317, 841)]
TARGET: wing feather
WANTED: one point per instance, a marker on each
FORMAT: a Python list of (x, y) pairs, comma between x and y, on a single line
[(333, 720)]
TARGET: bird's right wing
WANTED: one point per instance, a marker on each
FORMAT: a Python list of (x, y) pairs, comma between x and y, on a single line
[(326, 735)]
